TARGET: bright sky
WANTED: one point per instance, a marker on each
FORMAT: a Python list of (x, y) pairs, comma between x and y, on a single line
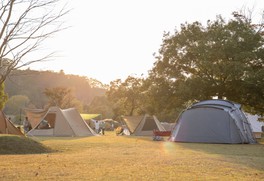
[(111, 40)]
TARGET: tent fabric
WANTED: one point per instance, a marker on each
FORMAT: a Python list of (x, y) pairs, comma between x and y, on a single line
[(132, 122), (35, 115), (7, 127), (142, 125), (168, 126), (213, 121), (67, 122), (255, 124)]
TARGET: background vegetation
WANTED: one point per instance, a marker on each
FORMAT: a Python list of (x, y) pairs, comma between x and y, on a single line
[(39, 89)]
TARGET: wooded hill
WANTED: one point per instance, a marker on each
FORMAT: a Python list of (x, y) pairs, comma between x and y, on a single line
[(32, 84)]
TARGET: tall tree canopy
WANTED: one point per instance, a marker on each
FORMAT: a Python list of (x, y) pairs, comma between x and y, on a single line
[(24, 25), (126, 96), (224, 59), (63, 98)]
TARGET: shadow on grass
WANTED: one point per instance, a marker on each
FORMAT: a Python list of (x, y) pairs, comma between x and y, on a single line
[(12, 144), (250, 155)]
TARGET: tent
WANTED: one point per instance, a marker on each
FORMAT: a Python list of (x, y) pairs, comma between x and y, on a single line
[(213, 121), (58, 122), (142, 125), (168, 126), (7, 127), (255, 124)]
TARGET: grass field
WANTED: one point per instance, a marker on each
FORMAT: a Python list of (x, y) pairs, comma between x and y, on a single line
[(113, 157)]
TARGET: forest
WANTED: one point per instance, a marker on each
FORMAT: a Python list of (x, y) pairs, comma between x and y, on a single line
[(25, 89)]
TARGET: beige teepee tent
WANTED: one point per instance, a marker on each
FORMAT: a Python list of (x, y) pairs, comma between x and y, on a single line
[(143, 125), (7, 127), (67, 122)]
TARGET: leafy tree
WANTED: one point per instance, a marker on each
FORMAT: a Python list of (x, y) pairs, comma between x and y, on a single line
[(62, 97), (15, 104), (3, 96), (24, 25), (223, 59), (126, 96), (100, 105)]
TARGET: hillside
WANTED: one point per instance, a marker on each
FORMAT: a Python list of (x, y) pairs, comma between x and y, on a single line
[(32, 84)]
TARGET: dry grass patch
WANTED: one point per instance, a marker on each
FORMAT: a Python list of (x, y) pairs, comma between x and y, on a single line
[(113, 157)]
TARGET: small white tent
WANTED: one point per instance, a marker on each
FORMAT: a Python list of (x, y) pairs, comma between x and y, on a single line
[(255, 124), (66, 122), (143, 125)]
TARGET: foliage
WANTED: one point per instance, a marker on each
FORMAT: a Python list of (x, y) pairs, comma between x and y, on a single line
[(62, 97), (15, 104), (24, 26), (126, 96), (223, 59), (3, 96), (100, 105), (32, 84)]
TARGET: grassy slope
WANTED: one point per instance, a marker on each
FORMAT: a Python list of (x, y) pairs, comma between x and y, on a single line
[(12, 144), (113, 157)]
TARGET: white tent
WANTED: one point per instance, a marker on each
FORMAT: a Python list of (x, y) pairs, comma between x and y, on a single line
[(59, 122), (255, 124)]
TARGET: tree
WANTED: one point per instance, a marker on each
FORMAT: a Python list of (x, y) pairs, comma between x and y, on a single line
[(15, 104), (100, 105), (3, 96), (24, 26), (126, 96), (63, 98), (224, 59)]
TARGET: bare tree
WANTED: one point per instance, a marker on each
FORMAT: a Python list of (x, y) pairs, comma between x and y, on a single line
[(24, 25)]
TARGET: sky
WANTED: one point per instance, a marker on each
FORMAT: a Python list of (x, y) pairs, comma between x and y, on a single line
[(113, 39)]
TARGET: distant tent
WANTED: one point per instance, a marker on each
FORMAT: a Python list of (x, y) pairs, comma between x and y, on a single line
[(255, 124), (7, 127), (168, 126), (142, 125), (58, 122), (213, 121)]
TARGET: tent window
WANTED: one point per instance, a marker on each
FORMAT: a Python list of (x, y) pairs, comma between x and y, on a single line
[(48, 121), (150, 124)]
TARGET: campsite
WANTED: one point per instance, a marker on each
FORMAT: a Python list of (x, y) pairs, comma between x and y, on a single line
[(131, 90), (207, 142)]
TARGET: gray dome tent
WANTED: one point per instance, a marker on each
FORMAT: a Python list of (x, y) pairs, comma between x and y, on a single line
[(213, 121)]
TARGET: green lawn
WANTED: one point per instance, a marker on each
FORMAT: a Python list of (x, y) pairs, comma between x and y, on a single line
[(113, 157)]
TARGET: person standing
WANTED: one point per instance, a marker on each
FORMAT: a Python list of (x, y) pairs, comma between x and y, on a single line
[(26, 125), (102, 127), (97, 126)]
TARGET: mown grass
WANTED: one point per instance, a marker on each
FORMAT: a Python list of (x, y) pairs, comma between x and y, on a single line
[(113, 157)]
